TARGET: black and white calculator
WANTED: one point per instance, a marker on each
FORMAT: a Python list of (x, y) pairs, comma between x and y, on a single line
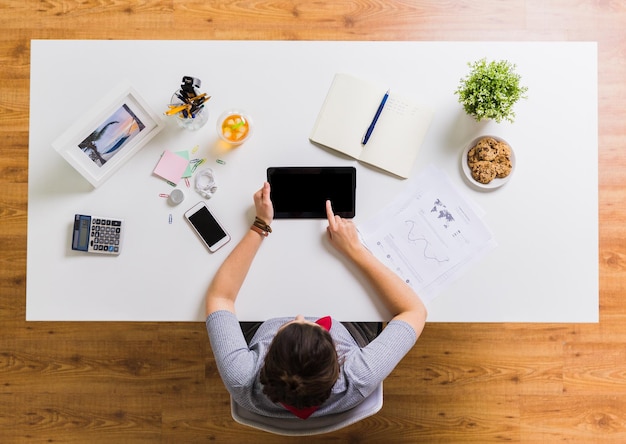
[(97, 234)]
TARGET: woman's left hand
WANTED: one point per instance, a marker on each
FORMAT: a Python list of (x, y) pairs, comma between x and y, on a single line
[(263, 204)]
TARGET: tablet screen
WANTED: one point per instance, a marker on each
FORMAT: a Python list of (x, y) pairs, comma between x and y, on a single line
[(301, 192)]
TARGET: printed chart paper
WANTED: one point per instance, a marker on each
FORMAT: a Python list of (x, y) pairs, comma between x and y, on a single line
[(429, 235)]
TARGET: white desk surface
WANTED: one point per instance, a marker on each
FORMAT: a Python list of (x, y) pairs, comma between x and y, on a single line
[(545, 220)]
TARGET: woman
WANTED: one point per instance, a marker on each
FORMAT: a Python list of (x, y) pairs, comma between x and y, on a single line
[(302, 366)]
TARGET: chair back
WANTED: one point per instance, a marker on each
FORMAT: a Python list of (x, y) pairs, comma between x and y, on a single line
[(314, 425)]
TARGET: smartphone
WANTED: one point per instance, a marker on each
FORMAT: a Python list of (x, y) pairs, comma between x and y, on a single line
[(207, 227)]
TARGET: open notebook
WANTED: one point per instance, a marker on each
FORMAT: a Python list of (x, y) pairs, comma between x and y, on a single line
[(349, 109)]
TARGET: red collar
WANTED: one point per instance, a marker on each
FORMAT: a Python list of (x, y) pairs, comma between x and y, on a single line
[(326, 322), (301, 413)]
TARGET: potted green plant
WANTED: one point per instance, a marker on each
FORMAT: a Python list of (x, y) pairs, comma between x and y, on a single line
[(490, 90)]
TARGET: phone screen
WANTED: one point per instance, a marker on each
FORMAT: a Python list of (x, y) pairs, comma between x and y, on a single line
[(207, 227)]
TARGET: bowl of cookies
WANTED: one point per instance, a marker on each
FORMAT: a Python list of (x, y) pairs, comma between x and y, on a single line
[(488, 162)]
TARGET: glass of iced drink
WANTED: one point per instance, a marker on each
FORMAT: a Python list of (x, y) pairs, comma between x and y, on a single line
[(234, 127)]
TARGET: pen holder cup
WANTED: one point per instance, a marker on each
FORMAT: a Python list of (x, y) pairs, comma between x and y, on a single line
[(187, 121), (234, 127)]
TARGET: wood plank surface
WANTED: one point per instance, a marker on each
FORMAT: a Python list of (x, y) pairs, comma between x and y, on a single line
[(157, 382)]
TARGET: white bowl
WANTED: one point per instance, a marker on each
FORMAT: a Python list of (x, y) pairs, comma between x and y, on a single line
[(495, 183)]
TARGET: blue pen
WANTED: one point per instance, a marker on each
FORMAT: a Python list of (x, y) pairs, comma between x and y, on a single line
[(368, 133)]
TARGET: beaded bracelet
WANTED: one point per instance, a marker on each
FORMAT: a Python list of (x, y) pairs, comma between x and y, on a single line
[(261, 227)]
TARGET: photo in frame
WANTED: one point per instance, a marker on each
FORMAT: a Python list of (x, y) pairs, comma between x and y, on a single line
[(109, 134)]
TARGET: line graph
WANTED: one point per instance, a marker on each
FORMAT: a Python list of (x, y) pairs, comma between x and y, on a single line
[(415, 238)]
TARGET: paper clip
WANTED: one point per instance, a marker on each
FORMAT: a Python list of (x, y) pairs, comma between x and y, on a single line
[(164, 195), (170, 219), (187, 182), (221, 162), (197, 163), (195, 149)]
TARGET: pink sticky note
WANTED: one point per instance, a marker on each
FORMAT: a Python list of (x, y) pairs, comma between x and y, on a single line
[(171, 167)]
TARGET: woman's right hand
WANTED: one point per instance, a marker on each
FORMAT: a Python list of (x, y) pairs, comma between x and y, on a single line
[(342, 233)]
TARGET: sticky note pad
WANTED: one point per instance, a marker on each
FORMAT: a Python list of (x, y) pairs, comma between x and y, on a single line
[(171, 167), (185, 154)]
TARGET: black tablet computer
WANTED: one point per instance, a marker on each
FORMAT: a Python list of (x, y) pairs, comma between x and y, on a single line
[(301, 192)]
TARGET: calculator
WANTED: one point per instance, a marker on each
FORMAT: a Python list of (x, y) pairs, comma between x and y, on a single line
[(97, 234)]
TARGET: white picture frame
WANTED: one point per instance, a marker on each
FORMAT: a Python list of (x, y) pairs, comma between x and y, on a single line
[(104, 138)]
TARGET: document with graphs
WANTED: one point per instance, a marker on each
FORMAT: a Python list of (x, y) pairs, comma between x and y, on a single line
[(429, 235)]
